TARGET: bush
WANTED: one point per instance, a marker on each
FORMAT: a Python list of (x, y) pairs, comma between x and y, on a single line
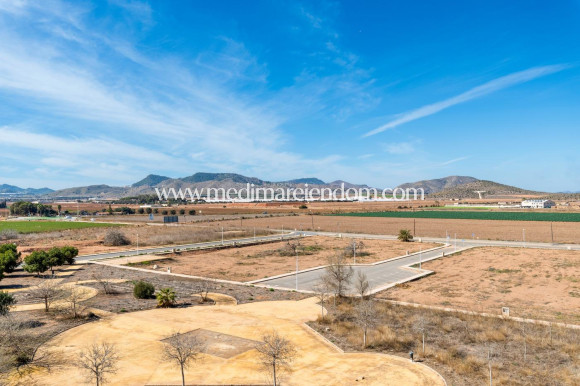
[(164, 212), (181, 211), (173, 212), (8, 234), (141, 211), (143, 290), (192, 212), (6, 301), (303, 206), (405, 235), (115, 237), (165, 298)]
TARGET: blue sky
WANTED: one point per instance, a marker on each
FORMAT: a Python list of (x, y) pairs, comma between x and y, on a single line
[(370, 92)]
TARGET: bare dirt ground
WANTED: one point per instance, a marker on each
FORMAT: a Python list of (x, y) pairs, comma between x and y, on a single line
[(539, 231), (90, 240), (265, 260), (533, 283)]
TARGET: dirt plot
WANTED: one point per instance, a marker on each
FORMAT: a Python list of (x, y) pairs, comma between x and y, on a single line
[(533, 283), (540, 231), (259, 261), (90, 241)]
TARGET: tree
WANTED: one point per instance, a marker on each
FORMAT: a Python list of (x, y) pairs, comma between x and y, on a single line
[(276, 353), (366, 317), (6, 302), (106, 284), (181, 211), (48, 291), (191, 212), (9, 258), (182, 349), (362, 285), (353, 248), (421, 325), (338, 275), (73, 297), (321, 290), (141, 211), (405, 235), (98, 361), (69, 254), (110, 210), (203, 289), (165, 298), (148, 210), (37, 262)]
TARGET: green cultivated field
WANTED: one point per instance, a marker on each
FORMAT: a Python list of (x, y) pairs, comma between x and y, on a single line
[(47, 226), (467, 215)]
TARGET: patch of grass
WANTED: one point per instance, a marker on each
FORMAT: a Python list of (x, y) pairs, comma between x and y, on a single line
[(506, 270)]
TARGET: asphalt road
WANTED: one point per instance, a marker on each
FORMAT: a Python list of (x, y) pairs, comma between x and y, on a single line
[(380, 275), (395, 271)]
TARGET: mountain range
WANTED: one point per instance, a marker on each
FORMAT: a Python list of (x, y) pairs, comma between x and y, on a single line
[(448, 187)]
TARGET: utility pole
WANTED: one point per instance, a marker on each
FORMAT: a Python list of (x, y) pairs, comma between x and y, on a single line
[(222, 235), (524, 236), (552, 231), (414, 231), (296, 251)]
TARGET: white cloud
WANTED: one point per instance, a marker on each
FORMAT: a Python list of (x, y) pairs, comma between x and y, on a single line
[(399, 148), (476, 92)]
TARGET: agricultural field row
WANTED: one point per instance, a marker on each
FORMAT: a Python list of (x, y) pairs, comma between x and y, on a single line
[(48, 226), (470, 215)]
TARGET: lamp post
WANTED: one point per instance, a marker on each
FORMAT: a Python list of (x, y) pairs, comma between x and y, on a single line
[(524, 236), (296, 252), (222, 235)]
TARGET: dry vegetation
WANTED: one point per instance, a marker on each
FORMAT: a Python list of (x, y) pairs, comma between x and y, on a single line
[(264, 260), (533, 283), (457, 345)]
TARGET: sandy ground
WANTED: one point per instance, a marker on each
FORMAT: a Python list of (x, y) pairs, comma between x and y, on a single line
[(259, 261), (138, 339), (464, 229), (533, 283)]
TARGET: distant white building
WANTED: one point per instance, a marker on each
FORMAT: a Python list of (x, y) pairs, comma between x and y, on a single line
[(538, 204)]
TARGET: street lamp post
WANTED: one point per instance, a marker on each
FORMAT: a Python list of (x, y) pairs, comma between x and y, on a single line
[(524, 236), (296, 250), (222, 235)]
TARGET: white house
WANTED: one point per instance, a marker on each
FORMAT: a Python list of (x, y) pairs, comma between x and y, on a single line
[(537, 204)]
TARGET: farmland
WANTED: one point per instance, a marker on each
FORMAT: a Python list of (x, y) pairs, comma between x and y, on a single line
[(49, 226), (470, 215)]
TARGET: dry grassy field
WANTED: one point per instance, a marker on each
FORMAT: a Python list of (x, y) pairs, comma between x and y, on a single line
[(533, 283), (259, 261), (458, 345), (538, 231)]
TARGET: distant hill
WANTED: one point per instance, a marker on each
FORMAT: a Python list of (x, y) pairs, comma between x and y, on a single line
[(150, 180), (439, 184), (11, 189), (309, 181), (492, 190), (198, 180)]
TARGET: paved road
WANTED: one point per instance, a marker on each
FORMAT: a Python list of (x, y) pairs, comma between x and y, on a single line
[(141, 251), (391, 272)]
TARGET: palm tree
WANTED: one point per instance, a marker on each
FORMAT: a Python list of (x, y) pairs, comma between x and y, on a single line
[(165, 298), (405, 235)]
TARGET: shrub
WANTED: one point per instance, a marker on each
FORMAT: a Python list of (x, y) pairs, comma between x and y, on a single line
[(149, 210), (173, 212), (115, 237), (405, 235), (6, 301), (8, 234), (143, 290), (192, 212), (164, 212), (140, 210), (303, 206), (165, 298), (182, 211)]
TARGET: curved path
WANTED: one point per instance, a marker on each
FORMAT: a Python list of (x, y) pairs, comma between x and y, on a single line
[(230, 333)]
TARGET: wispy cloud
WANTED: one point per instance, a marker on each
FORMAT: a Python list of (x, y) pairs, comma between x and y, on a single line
[(451, 161), (476, 92), (399, 147)]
